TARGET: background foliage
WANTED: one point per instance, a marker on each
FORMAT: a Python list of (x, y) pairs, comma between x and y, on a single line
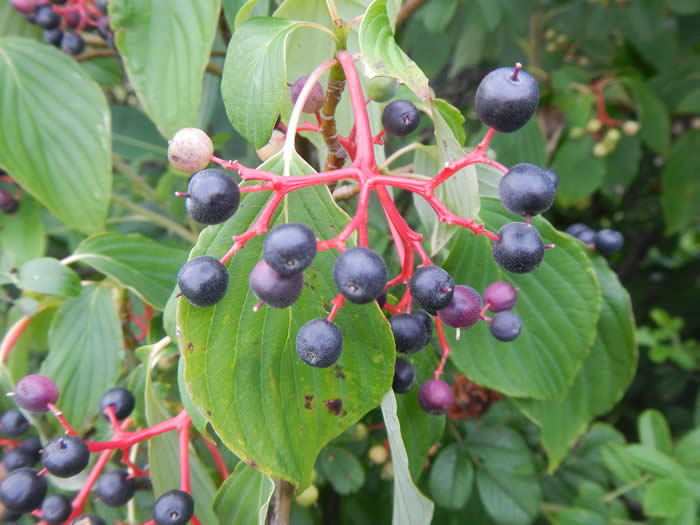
[(88, 148)]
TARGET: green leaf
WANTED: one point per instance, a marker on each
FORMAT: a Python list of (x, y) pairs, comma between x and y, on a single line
[(343, 470), (254, 81), (505, 475), (578, 516), (605, 375), (655, 121), (244, 497), (13, 23), (419, 430), (85, 347), (653, 461), (453, 118), (411, 507), (164, 453), (165, 49), (580, 173), (559, 304), (528, 144), (383, 56), (135, 137), (241, 366), (49, 100), (680, 199), (665, 498), (22, 234), (48, 276), (687, 450), (683, 7), (654, 431), (623, 469), (622, 165), (451, 477), (437, 15), (198, 419), (245, 11), (144, 266)]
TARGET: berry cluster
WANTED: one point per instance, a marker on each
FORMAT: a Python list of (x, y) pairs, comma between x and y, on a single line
[(605, 241), (506, 99), (63, 21), (24, 489)]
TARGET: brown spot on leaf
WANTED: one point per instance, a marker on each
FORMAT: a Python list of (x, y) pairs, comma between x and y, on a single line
[(252, 464), (339, 372), (209, 413), (190, 346), (308, 398), (335, 407)]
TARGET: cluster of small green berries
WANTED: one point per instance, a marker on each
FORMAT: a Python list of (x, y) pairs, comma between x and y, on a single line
[(24, 490), (55, 17), (609, 137)]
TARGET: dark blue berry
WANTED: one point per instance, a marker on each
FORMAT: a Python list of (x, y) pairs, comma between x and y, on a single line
[(360, 275), (289, 248), (46, 17), (519, 248), (575, 229), (505, 326), (400, 118), (213, 196), (506, 103), (203, 281), (72, 44), (65, 456), (319, 343), (33, 446), (13, 424), (526, 190), (53, 37), (115, 488), (431, 287), (608, 241), (121, 399), (22, 490), (409, 333), (55, 509), (174, 507), (18, 458), (404, 376)]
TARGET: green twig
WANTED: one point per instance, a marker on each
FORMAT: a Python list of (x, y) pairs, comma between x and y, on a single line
[(123, 168), (626, 488), (156, 218)]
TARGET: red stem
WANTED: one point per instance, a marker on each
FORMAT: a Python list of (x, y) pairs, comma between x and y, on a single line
[(444, 346), (218, 459)]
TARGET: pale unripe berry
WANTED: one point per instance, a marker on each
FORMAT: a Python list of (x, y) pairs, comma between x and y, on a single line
[(612, 135), (378, 454), (601, 149), (190, 150), (630, 127), (594, 125), (308, 497)]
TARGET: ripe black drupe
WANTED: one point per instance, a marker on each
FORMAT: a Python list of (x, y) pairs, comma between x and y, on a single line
[(203, 281), (319, 343), (360, 275), (289, 248), (519, 248), (400, 118)]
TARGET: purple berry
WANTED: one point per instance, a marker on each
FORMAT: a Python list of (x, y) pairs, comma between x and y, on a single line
[(314, 101), (505, 326), (435, 396), (35, 392), (500, 296), (24, 6), (275, 289), (464, 310), (8, 203)]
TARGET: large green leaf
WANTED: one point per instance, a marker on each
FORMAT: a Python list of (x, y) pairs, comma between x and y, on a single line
[(605, 375), (85, 346), (505, 475), (654, 431), (255, 79), (47, 99), (559, 304), (22, 234), (142, 265), (528, 144), (580, 173), (419, 430), (342, 469), (383, 56), (13, 23), (451, 477), (666, 498), (653, 116), (48, 276), (165, 45), (411, 507), (164, 452), (244, 497), (241, 366), (681, 189)]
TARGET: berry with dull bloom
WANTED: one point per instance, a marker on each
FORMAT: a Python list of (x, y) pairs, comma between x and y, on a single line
[(190, 150)]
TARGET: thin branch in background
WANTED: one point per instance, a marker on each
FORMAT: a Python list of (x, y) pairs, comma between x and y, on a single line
[(407, 9), (214, 69), (123, 168), (98, 53), (157, 218)]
